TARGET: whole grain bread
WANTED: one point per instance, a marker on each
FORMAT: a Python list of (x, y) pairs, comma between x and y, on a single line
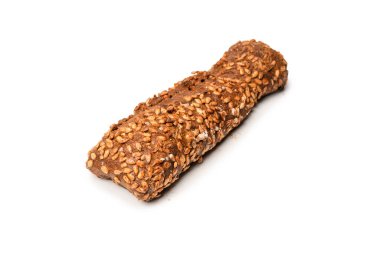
[(148, 151)]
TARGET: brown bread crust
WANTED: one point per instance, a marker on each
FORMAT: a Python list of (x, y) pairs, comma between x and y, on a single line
[(149, 150)]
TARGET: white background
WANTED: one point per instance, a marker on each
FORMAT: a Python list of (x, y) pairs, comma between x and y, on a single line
[(302, 174)]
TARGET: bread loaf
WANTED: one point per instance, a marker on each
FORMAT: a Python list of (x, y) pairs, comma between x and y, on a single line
[(148, 151)]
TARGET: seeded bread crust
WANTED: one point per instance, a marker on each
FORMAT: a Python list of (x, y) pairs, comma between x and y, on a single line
[(148, 151)]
